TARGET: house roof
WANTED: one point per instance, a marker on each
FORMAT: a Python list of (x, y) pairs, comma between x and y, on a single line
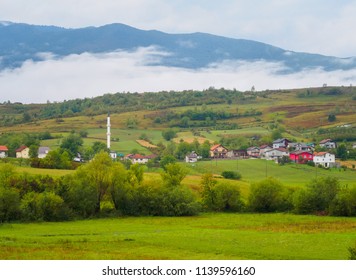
[(215, 147), (325, 141), (19, 150), (43, 150), (281, 140), (300, 152), (138, 156), (3, 149), (281, 150), (252, 148), (265, 146), (320, 154), (192, 155)]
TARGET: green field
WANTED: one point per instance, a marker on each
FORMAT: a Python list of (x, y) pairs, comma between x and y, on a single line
[(209, 236), (253, 170)]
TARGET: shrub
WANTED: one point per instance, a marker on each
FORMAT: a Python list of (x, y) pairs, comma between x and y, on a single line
[(227, 198), (352, 251), (45, 206), (9, 204), (269, 195), (317, 196), (344, 203), (231, 175)]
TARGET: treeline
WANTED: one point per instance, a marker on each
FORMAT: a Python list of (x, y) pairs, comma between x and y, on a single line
[(98, 188), (16, 113), (199, 117), (106, 188)]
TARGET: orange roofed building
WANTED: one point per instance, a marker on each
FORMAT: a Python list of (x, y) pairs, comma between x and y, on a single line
[(3, 151), (218, 151)]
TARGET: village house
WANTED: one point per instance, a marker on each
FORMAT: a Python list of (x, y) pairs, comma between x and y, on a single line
[(23, 152), (140, 159), (280, 143), (237, 154), (43, 151), (276, 154), (253, 152), (325, 159), (300, 147), (3, 151), (328, 144), (264, 148), (354, 146), (301, 156), (218, 151), (191, 157)]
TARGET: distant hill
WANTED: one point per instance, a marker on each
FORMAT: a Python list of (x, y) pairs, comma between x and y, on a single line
[(20, 42)]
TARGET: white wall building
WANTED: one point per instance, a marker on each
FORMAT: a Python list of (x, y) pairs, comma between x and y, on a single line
[(325, 159)]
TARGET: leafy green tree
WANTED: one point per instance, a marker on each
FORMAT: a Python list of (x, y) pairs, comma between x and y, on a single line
[(135, 174), (173, 175), (97, 174), (9, 204), (182, 150), (228, 198), (7, 171), (208, 183), (344, 203), (341, 152), (204, 149), (268, 195), (317, 196), (169, 134), (72, 144), (167, 160)]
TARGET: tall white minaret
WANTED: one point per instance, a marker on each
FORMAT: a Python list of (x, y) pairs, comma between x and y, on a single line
[(108, 133)]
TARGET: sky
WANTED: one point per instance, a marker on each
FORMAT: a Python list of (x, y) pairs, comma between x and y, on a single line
[(317, 26)]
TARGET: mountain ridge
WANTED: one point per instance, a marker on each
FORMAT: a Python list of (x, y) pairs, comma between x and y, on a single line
[(20, 42)]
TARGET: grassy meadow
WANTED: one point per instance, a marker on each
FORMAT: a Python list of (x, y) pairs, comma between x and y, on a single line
[(208, 236)]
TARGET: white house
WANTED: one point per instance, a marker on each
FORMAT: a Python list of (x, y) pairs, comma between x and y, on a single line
[(3, 151), (275, 154), (137, 158), (264, 148), (23, 152), (324, 158), (192, 157), (43, 151), (327, 143)]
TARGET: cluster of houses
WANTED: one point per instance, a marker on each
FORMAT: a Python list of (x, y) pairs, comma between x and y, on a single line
[(281, 148), (297, 152), (24, 152)]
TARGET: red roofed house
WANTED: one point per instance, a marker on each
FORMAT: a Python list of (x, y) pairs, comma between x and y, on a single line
[(218, 151), (301, 156), (3, 151), (324, 158), (23, 152), (137, 158)]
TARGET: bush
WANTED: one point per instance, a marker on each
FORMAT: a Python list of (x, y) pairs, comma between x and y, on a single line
[(317, 196), (269, 195), (231, 175), (344, 203), (227, 198), (9, 204), (45, 206)]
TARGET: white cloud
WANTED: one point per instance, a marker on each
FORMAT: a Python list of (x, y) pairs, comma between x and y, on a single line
[(89, 75)]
